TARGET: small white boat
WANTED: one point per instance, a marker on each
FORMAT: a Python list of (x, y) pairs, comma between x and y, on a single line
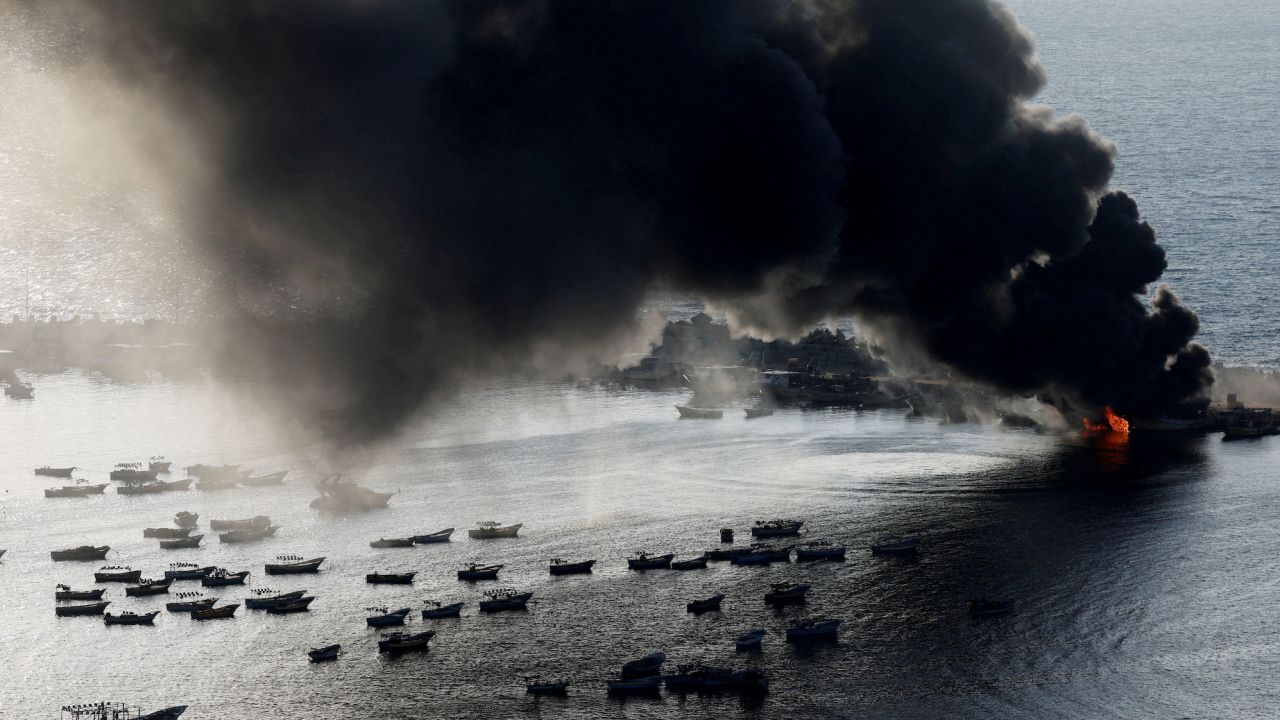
[(750, 640), (816, 629), (489, 530)]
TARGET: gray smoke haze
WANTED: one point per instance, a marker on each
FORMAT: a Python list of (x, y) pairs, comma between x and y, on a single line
[(396, 196)]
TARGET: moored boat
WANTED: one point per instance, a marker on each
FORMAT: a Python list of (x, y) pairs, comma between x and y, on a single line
[(75, 491), (293, 565), (148, 587), (504, 599), (819, 550), (815, 629), (130, 618), (535, 685), (787, 594), (159, 464), (241, 536), (173, 485), (985, 607), (383, 618), (701, 606), (436, 610), (896, 546), (647, 666), (215, 613), (696, 413), (84, 552), (187, 542), (117, 573), (698, 563), (390, 578), (440, 536), (302, 604), (488, 530), (267, 598), (328, 652), (90, 609), (644, 561), (166, 533), (276, 478), (63, 472), (260, 522), (191, 601), (64, 592), (750, 640), (479, 572), (186, 519), (338, 494), (753, 556), (560, 567), (220, 578), (187, 571), (392, 543), (132, 471), (776, 528), (405, 642)]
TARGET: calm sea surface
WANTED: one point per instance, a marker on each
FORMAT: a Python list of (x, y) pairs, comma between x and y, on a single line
[(1146, 575)]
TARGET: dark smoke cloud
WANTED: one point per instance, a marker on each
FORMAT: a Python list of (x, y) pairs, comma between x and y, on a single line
[(402, 194)]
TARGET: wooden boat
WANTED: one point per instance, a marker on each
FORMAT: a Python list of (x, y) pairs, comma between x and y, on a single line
[(392, 543), (241, 536), (268, 598), (130, 618), (293, 565), (405, 642), (693, 413), (117, 573), (489, 530), (647, 666), (758, 412), (560, 567), (302, 604), (64, 592), (221, 578), (386, 619), (328, 652), (89, 609), (754, 556), (118, 711), (132, 471), (504, 599), (534, 685), (338, 494), (984, 607), (47, 471), (265, 480), (435, 610), (187, 571), (787, 594), (819, 550), (634, 687), (439, 536), (140, 488), (166, 533), (148, 587), (776, 554), (701, 606), (75, 491), (776, 528), (644, 561), (186, 519), (173, 485), (188, 542), (390, 578), (260, 522), (216, 613), (191, 602), (750, 640), (816, 629), (479, 572), (159, 465), (901, 546), (84, 552), (698, 563)]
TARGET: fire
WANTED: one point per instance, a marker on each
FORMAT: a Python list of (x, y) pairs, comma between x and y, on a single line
[(1115, 423)]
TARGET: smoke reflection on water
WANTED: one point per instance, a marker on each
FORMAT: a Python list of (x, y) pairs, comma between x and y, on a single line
[(1120, 560)]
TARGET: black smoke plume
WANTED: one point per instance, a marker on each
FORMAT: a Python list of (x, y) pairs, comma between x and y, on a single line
[(401, 194)]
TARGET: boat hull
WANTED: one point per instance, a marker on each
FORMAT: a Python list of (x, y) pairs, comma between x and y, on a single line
[(188, 542), (81, 553), (389, 579), (509, 531), (273, 601), (75, 610), (123, 576), (79, 594), (392, 543), (146, 619), (222, 581), (298, 568), (650, 563), (690, 413), (191, 574), (435, 537), (446, 611), (580, 568), (325, 653), (388, 620), (225, 611), (160, 588)]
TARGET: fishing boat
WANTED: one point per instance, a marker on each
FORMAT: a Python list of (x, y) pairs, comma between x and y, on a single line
[(159, 464), (20, 391), (984, 607), (397, 642), (132, 471), (897, 546), (267, 598), (75, 491), (776, 528), (260, 522), (750, 640), (186, 519), (187, 571), (787, 594), (215, 613), (130, 618), (560, 567), (719, 554), (390, 578), (148, 587), (435, 610), (338, 494), (117, 711), (89, 609), (819, 550), (187, 542), (84, 552), (647, 666), (726, 535), (644, 561), (140, 487), (392, 543), (440, 536), (535, 685), (302, 604), (479, 572), (384, 618), (701, 606), (64, 592), (488, 529), (173, 485), (117, 573), (816, 629), (166, 533), (242, 536), (293, 565), (637, 686), (328, 652), (758, 412), (63, 472), (221, 578), (695, 413), (191, 602), (276, 478), (504, 599), (753, 556), (698, 563)]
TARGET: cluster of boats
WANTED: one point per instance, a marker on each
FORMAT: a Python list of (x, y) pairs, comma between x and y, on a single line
[(138, 478)]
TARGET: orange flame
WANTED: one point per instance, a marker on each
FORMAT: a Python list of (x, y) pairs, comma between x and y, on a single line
[(1115, 423)]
